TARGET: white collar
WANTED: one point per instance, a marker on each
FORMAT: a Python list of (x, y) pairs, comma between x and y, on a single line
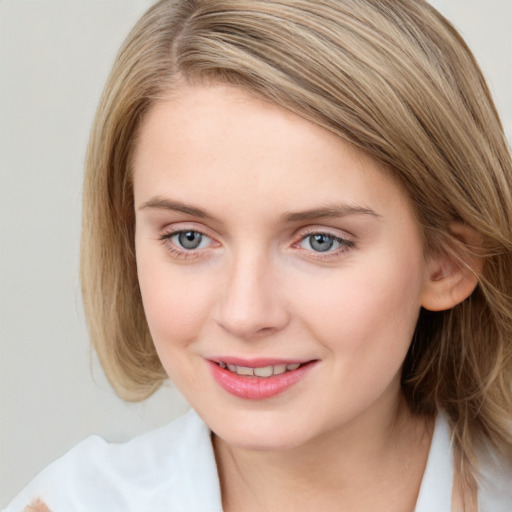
[(199, 488), (436, 487)]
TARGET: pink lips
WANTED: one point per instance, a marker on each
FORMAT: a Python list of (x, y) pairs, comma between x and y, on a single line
[(253, 387)]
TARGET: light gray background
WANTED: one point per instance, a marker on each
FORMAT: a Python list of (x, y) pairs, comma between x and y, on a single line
[(54, 58)]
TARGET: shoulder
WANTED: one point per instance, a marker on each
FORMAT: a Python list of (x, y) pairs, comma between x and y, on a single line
[(169, 469)]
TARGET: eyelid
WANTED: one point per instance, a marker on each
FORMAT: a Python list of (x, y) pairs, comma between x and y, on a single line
[(323, 230), (180, 227)]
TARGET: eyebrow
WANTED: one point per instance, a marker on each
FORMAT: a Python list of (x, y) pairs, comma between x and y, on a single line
[(334, 211), (161, 203)]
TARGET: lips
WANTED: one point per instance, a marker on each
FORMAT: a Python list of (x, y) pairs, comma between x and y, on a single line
[(257, 379)]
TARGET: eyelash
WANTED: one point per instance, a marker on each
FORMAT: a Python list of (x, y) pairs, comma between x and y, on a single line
[(345, 244)]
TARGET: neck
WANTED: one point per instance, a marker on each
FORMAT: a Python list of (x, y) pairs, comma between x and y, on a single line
[(374, 460)]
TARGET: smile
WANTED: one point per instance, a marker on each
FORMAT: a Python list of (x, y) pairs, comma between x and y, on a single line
[(258, 380), (263, 371)]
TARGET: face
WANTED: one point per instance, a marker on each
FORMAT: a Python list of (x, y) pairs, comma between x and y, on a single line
[(281, 270)]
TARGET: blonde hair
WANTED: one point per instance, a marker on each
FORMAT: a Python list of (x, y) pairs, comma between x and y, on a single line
[(392, 77)]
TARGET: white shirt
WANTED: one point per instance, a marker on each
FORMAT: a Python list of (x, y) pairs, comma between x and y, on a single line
[(173, 469)]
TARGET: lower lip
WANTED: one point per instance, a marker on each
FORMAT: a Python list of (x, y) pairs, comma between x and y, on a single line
[(257, 388)]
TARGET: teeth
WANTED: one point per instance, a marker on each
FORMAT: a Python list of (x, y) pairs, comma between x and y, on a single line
[(265, 371), (242, 370), (279, 368)]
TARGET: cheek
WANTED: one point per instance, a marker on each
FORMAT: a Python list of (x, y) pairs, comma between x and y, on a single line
[(177, 308), (367, 311), (176, 302)]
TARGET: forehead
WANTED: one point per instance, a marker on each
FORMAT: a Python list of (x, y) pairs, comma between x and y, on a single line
[(221, 146)]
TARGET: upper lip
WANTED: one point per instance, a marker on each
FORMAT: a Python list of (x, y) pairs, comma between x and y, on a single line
[(258, 362)]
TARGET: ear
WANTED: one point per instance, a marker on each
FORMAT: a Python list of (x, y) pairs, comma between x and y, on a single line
[(451, 279)]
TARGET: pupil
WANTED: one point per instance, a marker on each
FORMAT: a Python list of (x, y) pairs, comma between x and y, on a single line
[(190, 239), (321, 243)]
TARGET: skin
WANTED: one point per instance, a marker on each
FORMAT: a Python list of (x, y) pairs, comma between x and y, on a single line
[(255, 287), (37, 506)]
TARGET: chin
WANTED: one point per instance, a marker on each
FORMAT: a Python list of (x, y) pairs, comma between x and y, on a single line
[(262, 434)]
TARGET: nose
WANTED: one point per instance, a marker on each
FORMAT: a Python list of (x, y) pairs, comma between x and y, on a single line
[(253, 303)]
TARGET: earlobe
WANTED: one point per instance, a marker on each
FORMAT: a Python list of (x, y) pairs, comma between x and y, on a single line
[(453, 276)]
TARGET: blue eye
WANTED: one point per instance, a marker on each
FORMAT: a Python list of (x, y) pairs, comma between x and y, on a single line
[(322, 242), (189, 240)]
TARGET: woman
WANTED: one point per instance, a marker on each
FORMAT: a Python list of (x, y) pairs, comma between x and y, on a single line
[(300, 212)]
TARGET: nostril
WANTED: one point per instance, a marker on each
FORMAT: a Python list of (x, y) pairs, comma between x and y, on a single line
[(266, 330)]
